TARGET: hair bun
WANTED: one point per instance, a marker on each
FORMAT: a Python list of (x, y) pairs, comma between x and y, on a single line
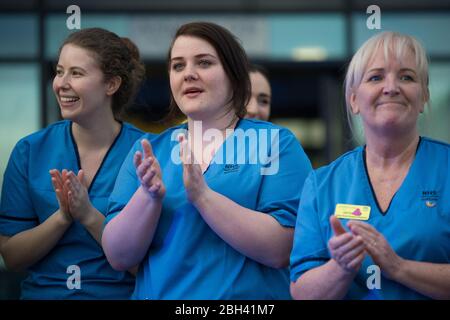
[(134, 51)]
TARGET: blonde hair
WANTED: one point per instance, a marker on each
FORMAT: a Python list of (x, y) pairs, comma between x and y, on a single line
[(393, 43)]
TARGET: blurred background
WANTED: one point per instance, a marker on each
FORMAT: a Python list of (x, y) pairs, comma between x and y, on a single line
[(305, 45)]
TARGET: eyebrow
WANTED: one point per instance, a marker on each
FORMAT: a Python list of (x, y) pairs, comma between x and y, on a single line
[(263, 95), (71, 68), (382, 69), (201, 55), (408, 69)]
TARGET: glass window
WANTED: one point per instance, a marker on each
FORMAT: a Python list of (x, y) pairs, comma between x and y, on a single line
[(23, 41), (307, 37), (153, 33), (434, 122), (19, 114), (52, 107), (279, 36), (431, 29), (56, 29)]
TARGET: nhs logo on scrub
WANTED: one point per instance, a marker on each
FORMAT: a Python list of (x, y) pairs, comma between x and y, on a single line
[(241, 147)]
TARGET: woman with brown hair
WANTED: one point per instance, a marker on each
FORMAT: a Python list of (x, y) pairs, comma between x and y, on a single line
[(51, 224)]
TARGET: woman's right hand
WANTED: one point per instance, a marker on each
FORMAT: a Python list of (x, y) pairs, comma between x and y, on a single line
[(58, 182), (149, 171), (346, 249)]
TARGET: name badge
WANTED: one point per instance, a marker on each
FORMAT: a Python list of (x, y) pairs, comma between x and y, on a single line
[(350, 211)]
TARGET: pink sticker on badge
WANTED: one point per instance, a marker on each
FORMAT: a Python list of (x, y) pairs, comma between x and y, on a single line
[(351, 211)]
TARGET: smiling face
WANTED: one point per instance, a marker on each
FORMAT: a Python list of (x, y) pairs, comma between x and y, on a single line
[(390, 95), (79, 85), (259, 104), (199, 84)]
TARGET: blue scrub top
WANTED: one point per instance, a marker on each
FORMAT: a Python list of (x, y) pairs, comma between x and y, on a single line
[(187, 259), (416, 224), (28, 199)]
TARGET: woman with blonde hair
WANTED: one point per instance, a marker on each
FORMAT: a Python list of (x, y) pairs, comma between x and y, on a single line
[(375, 223)]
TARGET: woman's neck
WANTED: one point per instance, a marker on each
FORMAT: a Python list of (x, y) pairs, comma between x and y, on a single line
[(96, 134), (391, 152), (223, 124)]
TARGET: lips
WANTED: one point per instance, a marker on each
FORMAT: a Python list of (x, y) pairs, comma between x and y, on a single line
[(67, 100), (391, 102), (192, 91)]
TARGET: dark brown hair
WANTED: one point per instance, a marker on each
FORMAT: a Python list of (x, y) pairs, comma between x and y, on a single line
[(232, 56), (116, 56), (257, 68)]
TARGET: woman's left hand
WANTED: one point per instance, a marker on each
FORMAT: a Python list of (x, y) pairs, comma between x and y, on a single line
[(378, 248), (80, 206), (193, 179)]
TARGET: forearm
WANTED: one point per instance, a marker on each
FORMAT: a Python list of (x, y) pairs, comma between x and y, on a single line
[(127, 237), (327, 282), (256, 235), (430, 279), (28, 247), (94, 224)]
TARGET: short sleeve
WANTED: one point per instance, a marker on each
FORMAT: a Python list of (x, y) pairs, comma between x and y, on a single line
[(283, 179), (17, 212), (309, 249), (125, 186)]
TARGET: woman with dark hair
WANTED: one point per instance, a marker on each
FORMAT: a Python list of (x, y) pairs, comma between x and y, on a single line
[(261, 95), (197, 211), (51, 224)]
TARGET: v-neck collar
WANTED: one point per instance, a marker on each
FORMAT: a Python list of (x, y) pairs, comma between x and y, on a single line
[(366, 173), (220, 149), (77, 154)]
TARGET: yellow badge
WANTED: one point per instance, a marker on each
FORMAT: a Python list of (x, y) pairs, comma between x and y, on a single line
[(350, 211)]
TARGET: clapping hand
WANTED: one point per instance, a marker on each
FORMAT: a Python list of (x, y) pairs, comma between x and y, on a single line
[(346, 249), (149, 171), (193, 179), (58, 179), (377, 247)]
